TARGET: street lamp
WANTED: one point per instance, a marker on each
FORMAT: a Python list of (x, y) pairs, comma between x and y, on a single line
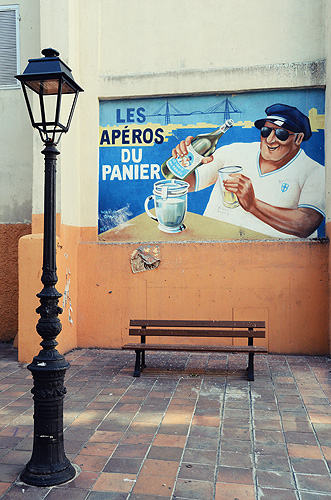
[(51, 79)]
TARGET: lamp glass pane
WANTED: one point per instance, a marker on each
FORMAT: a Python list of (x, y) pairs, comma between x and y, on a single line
[(49, 102), (49, 87)]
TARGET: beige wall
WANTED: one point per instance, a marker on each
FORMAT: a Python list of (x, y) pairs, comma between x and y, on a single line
[(15, 130), (194, 35)]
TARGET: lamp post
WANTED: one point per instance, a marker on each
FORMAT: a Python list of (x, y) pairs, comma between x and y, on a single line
[(51, 79)]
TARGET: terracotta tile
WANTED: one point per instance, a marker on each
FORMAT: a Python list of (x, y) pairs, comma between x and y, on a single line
[(232, 459), (123, 465), (159, 485), (265, 415), (112, 425), (200, 472), (309, 466), (77, 434), (236, 434), (294, 417), (296, 426), (232, 491), (172, 418), (10, 442), (236, 445), (142, 496), (206, 403), (237, 422), (159, 467), (202, 443), (304, 451), (272, 462), (85, 480), (106, 437), (269, 436), (19, 457), (278, 494), (127, 407), (169, 440), (235, 475), (271, 449), (180, 429), (211, 421), (187, 488), (131, 451), (115, 482), (316, 400), (314, 482), (200, 456), (94, 463), (168, 453), (273, 479), (319, 418), (97, 448), (4, 487), (305, 438), (62, 493), (270, 424), (143, 427), (204, 432), (149, 417), (132, 437), (17, 432), (327, 452)]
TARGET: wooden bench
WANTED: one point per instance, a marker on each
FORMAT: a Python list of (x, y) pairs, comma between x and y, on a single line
[(196, 329)]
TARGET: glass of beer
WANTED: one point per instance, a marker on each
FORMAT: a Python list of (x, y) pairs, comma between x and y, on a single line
[(230, 200)]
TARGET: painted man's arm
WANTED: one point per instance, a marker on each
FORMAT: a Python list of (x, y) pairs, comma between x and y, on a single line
[(300, 222)]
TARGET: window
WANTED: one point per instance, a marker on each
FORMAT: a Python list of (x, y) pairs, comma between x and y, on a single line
[(9, 46)]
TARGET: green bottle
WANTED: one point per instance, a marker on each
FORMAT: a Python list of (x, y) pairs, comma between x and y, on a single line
[(201, 146)]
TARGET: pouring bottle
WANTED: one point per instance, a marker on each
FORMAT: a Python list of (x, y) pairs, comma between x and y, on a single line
[(201, 146)]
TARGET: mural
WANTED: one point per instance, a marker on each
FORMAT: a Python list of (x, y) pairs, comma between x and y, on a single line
[(243, 166)]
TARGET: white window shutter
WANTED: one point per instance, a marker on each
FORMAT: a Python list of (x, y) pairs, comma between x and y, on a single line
[(8, 47)]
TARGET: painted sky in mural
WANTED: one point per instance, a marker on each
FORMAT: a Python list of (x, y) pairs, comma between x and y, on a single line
[(136, 136)]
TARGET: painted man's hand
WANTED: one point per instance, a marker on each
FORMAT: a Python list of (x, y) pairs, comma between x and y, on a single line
[(242, 186), (181, 150)]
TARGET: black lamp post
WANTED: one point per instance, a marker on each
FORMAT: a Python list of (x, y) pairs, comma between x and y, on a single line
[(51, 79)]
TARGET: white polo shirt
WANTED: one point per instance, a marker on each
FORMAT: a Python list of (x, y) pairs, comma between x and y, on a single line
[(299, 183)]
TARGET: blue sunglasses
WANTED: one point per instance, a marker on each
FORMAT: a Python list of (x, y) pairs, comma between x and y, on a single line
[(280, 133)]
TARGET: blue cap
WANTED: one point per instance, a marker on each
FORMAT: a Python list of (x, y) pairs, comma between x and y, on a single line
[(287, 117)]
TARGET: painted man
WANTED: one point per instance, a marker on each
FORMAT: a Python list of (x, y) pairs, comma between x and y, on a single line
[(281, 191)]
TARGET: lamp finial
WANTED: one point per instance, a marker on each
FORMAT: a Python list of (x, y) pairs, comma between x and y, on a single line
[(50, 52)]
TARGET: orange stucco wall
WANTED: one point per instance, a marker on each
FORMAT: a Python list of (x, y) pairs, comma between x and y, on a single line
[(284, 283), (9, 237)]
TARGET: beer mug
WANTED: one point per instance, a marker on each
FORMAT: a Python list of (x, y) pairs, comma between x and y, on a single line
[(170, 201), (230, 200)]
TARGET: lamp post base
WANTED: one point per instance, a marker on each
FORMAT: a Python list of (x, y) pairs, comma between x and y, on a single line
[(48, 465), (46, 477)]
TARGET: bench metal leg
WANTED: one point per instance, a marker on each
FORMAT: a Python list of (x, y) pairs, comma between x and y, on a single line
[(143, 341), (143, 364), (250, 368), (136, 372)]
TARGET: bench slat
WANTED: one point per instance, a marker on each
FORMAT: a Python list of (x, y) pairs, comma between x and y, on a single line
[(201, 323), (201, 348), (197, 333)]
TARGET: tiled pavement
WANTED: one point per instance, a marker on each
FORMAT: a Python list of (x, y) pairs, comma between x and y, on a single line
[(190, 428)]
